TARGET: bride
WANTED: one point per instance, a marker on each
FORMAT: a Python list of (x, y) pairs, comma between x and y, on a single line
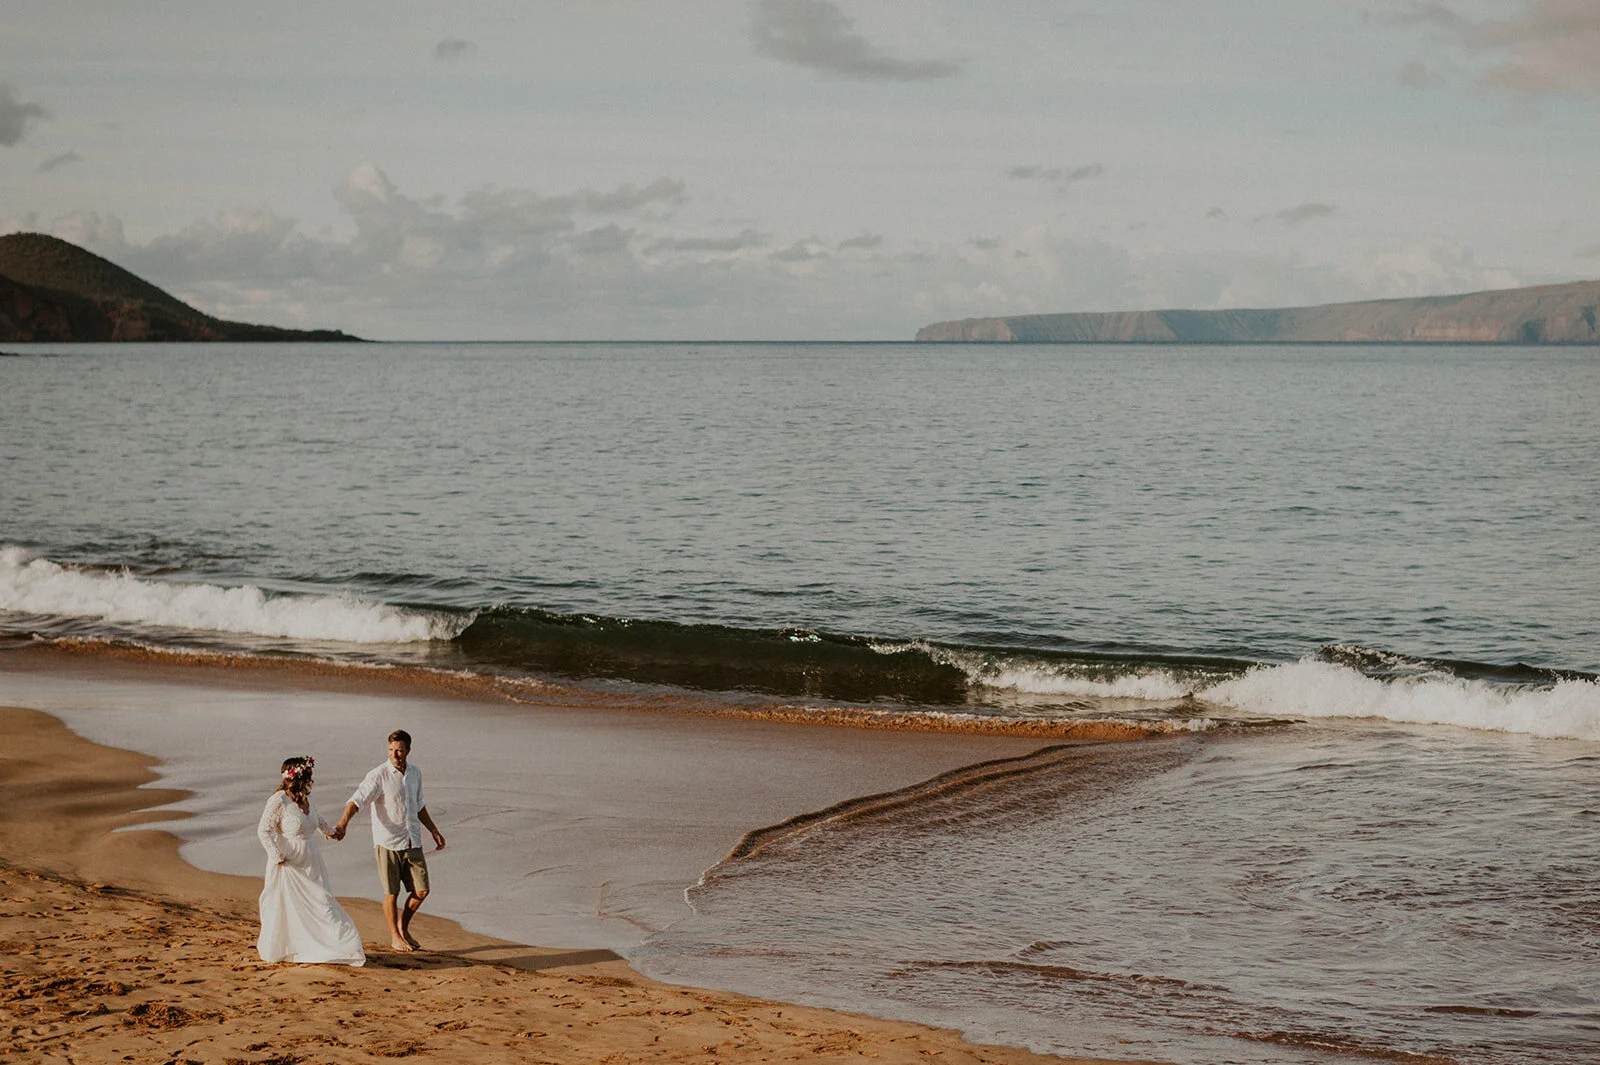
[(301, 921)]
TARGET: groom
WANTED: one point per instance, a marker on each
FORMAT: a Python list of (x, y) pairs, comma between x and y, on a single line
[(394, 791)]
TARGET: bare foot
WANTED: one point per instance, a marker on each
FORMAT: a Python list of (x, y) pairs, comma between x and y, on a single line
[(401, 945), (412, 940)]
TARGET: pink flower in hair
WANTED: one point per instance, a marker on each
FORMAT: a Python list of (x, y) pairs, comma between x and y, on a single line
[(299, 769)]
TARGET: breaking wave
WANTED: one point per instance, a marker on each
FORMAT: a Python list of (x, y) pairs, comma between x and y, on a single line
[(926, 677), (39, 586), (1314, 688)]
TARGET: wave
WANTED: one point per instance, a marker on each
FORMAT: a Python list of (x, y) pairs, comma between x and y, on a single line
[(924, 677), (1079, 676), (39, 586), (1314, 688), (788, 662)]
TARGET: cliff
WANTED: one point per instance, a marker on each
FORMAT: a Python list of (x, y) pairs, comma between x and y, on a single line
[(1547, 314), (51, 290)]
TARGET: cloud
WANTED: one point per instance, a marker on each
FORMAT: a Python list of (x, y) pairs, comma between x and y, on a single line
[(1548, 47), (609, 239), (629, 197), (56, 162), (1427, 268), (817, 35), (495, 262), (1060, 177), (1217, 213), (1430, 14), (91, 229), (1552, 46), (16, 117), (1305, 212), (747, 238), (517, 263), (1418, 75), (508, 263), (246, 243), (454, 48), (864, 241), (801, 251)]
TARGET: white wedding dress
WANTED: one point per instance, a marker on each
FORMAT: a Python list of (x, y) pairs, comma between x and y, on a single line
[(301, 921)]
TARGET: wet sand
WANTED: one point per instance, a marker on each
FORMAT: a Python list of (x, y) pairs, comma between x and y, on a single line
[(113, 948)]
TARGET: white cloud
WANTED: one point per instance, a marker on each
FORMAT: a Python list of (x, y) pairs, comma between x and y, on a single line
[(817, 35), (1426, 268), (100, 233)]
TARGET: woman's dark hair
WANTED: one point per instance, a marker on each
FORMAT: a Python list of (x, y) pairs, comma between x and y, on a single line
[(296, 785)]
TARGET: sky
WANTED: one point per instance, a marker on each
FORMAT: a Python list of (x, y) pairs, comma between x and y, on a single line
[(800, 169)]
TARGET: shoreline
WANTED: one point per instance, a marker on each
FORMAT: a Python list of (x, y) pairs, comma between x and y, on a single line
[(486, 687), (157, 957)]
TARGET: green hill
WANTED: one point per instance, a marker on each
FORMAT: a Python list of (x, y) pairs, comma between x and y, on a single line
[(51, 290)]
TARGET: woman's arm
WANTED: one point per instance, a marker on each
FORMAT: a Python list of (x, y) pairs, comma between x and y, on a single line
[(270, 828)]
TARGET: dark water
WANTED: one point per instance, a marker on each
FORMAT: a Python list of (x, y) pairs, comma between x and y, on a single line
[(1199, 535)]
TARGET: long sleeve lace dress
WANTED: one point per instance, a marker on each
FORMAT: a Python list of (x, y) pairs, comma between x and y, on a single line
[(301, 921)]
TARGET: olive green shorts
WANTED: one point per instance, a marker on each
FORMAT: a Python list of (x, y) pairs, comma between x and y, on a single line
[(402, 867)]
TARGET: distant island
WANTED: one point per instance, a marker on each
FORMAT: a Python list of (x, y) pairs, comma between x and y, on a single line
[(52, 290), (1546, 314)]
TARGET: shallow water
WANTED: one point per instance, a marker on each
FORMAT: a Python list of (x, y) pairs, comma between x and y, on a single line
[(1294, 896)]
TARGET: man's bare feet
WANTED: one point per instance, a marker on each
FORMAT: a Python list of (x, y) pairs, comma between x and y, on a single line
[(411, 939), (402, 946)]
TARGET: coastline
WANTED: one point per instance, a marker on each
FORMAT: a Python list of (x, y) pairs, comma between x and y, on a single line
[(156, 957), (483, 687)]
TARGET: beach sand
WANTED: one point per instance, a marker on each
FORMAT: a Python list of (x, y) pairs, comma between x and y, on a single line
[(112, 948)]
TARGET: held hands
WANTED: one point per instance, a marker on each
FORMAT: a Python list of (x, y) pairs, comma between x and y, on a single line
[(338, 832)]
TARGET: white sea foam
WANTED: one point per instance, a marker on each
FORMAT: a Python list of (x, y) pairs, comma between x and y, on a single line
[(1042, 678), (1310, 688), (1155, 685), (39, 586)]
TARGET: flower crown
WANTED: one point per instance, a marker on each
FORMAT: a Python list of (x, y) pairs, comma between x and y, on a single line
[(299, 769)]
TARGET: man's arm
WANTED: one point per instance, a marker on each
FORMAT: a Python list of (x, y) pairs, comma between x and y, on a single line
[(427, 822), (364, 793), (350, 809)]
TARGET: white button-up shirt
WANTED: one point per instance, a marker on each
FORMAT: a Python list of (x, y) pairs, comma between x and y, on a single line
[(396, 800)]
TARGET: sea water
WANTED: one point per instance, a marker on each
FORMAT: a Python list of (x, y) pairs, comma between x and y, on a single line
[(1360, 580)]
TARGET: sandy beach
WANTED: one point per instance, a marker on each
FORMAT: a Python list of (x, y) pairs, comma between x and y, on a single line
[(116, 949)]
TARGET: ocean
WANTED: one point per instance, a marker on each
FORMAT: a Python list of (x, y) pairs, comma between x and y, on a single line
[(1348, 590)]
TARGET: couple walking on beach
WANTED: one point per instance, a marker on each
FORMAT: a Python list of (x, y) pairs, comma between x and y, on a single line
[(301, 921)]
